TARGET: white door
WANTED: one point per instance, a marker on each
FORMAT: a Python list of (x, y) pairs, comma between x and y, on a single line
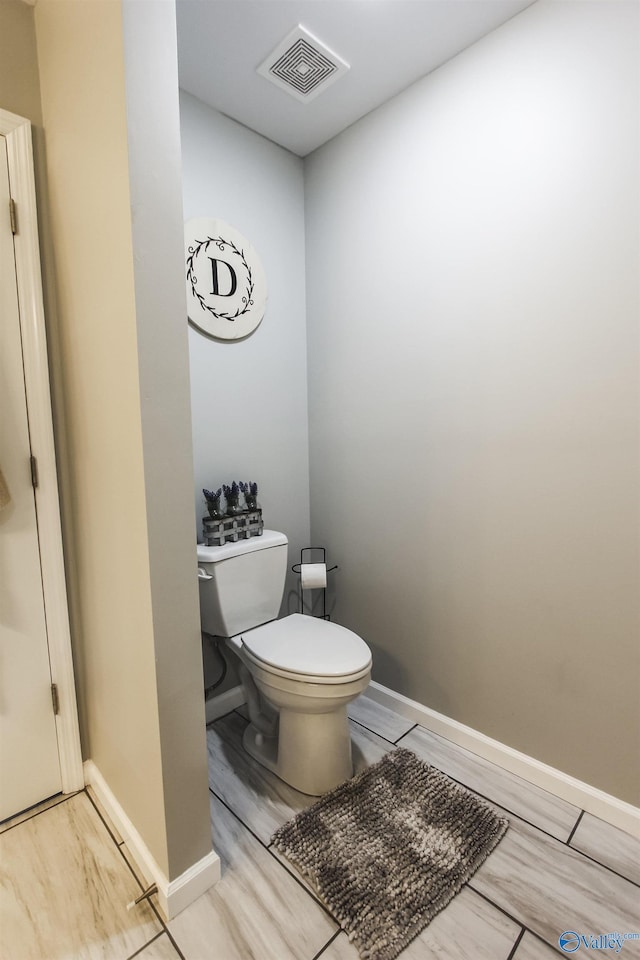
[(29, 762)]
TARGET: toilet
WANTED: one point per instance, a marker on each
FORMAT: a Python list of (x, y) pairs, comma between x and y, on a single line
[(298, 673)]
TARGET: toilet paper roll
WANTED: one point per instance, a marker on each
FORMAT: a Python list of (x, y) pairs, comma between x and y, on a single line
[(313, 575)]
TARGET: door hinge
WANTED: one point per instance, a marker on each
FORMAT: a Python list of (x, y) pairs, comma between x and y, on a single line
[(34, 472), (12, 216), (55, 698)]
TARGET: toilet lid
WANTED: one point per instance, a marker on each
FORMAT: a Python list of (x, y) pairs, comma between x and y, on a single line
[(308, 645)]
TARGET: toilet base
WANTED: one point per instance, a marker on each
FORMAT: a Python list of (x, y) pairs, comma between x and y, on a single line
[(312, 751)]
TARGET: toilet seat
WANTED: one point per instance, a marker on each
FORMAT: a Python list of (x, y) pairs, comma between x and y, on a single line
[(300, 647)]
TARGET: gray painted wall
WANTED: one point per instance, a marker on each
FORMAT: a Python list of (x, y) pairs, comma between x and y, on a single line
[(249, 397), (472, 252)]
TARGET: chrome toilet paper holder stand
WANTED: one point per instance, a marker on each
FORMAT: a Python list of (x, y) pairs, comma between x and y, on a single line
[(296, 569)]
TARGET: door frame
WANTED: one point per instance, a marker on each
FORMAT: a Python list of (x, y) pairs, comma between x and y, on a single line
[(17, 133)]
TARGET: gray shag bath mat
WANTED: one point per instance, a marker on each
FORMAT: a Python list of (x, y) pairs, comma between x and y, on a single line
[(390, 848)]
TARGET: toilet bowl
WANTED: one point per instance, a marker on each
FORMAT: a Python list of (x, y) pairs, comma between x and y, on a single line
[(307, 670), (298, 673)]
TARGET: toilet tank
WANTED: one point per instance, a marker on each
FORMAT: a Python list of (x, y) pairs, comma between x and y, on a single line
[(241, 584)]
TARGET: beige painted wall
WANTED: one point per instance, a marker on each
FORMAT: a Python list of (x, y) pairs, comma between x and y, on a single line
[(114, 338), (155, 177), (472, 291), (91, 263), (19, 82)]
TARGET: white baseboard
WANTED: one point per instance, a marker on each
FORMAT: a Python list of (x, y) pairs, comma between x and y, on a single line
[(173, 895), (583, 795), (225, 703)]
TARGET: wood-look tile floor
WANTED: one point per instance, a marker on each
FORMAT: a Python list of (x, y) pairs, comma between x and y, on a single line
[(66, 875)]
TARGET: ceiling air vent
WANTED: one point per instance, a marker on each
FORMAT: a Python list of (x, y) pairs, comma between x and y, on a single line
[(302, 65)]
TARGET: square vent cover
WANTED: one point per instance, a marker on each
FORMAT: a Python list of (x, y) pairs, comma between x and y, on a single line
[(302, 65)]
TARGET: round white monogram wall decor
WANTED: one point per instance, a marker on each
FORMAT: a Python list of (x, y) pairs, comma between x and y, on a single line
[(226, 284)]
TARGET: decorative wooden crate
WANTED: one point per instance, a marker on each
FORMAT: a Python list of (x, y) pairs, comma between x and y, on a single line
[(232, 529)]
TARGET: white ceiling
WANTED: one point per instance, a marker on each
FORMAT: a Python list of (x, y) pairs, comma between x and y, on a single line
[(388, 43)]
